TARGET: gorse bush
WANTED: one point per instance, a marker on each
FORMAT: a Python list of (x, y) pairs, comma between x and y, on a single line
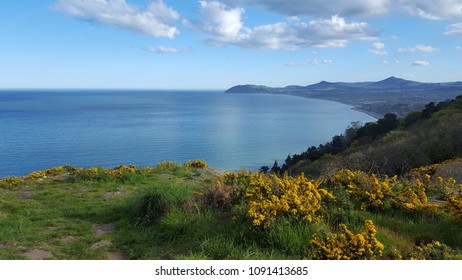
[(434, 251), (347, 245), (271, 196), (366, 189), (10, 182), (196, 164)]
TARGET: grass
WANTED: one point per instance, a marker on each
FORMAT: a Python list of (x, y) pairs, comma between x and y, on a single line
[(172, 212)]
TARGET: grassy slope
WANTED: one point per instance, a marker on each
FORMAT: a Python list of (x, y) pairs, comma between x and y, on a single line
[(40, 214), (180, 223), (422, 142)]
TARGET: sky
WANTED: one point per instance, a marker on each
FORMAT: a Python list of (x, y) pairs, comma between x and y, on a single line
[(189, 44)]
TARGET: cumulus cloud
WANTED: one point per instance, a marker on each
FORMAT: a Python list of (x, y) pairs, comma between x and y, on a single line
[(319, 62), (320, 8), (434, 9), (454, 29), (154, 21), (163, 50), (225, 26), (223, 23), (377, 48), (420, 63), (419, 48)]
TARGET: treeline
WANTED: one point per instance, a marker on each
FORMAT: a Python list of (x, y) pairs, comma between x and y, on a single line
[(357, 136)]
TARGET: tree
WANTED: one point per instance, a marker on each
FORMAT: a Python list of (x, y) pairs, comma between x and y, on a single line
[(275, 169), (264, 169)]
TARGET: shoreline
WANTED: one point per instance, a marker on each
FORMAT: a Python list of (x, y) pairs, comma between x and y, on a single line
[(354, 107), (372, 114)]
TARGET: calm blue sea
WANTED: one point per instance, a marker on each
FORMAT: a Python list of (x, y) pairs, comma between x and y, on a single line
[(43, 129)]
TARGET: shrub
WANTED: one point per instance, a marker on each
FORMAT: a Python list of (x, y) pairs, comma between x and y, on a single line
[(296, 197), (347, 245), (196, 164), (454, 206), (10, 182), (149, 208), (434, 251), (220, 196), (370, 192)]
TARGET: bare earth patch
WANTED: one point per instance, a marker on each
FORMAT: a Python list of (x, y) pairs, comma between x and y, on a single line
[(68, 239), (100, 244), (26, 194), (102, 229), (37, 254), (110, 195), (117, 256)]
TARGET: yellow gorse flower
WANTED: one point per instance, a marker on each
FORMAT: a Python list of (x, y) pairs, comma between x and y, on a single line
[(347, 245), (270, 196)]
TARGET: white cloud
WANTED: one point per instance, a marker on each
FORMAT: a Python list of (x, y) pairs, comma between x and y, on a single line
[(154, 21), (420, 63), (431, 9), (385, 61), (454, 29), (224, 26), (223, 23), (319, 62), (163, 50), (293, 64), (459, 48), (377, 48), (320, 8), (419, 48)]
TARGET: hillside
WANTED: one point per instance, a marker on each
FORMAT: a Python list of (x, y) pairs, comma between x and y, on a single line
[(393, 94), (390, 146)]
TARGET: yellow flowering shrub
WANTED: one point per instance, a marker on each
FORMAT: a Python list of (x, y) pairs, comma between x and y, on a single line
[(196, 164), (347, 245), (425, 170), (434, 251), (36, 174), (121, 170), (366, 189), (454, 206), (414, 198), (10, 182), (240, 177), (270, 196)]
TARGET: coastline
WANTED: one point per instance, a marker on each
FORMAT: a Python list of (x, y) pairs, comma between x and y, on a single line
[(372, 114), (354, 107)]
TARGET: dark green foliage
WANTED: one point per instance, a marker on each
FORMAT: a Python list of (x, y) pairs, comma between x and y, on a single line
[(389, 146), (149, 208)]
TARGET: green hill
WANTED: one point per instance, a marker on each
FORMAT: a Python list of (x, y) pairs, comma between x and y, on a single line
[(389, 146)]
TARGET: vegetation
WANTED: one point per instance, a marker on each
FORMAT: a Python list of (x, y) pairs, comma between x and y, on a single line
[(387, 190), (389, 146)]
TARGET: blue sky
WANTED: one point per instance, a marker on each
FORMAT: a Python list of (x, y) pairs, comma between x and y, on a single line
[(188, 44)]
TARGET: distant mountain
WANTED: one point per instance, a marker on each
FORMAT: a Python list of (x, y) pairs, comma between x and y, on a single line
[(394, 82), (393, 94), (250, 89)]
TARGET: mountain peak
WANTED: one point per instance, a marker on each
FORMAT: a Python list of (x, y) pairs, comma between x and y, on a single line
[(394, 82)]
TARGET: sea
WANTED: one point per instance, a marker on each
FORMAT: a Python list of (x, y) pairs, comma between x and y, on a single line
[(40, 129)]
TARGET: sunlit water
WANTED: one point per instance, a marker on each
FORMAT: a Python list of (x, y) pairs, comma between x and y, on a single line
[(43, 129)]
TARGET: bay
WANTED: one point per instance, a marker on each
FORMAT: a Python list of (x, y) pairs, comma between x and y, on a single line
[(45, 128)]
